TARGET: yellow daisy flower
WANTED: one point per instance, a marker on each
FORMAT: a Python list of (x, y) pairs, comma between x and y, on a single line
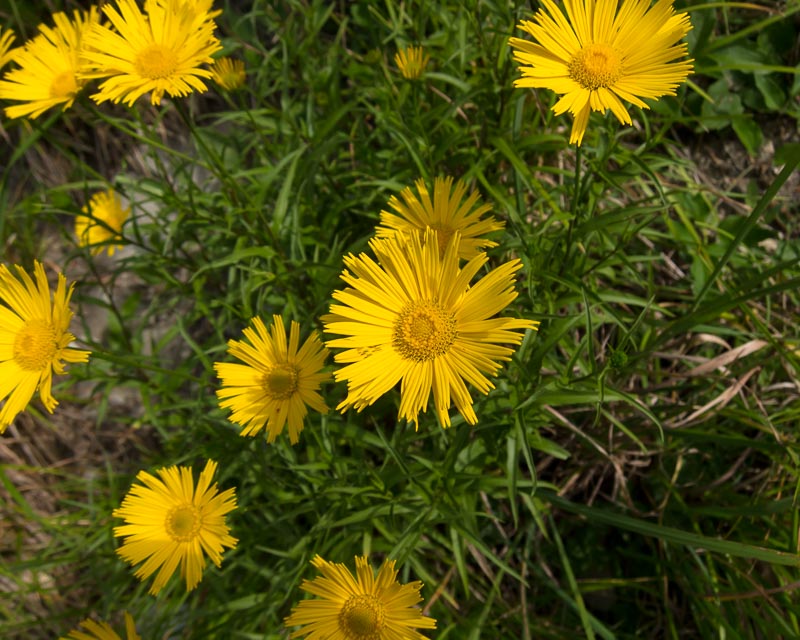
[(411, 61), (101, 225), (169, 522), (103, 631), (415, 318), (33, 339), (446, 214), (48, 67), (276, 382), (159, 51), (598, 56), (229, 73), (360, 608), (6, 40)]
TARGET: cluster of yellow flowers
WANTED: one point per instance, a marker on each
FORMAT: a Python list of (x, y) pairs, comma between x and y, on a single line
[(413, 312), (164, 48), (412, 316)]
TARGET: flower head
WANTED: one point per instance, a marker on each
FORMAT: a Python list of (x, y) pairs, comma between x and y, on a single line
[(159, 51), (412, 62), (6, 52), (34, 334), (414, 317), (169, 522), (103, 631), (48, 66), (446, 214), (229, 73), (276, 381), (360, 608), (598, 56), (101, 226)]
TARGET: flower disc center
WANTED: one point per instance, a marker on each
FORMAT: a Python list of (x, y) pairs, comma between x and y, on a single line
[(423, 331), (362, 618), (35, 346), (63, 85), (155, 62), (183, 522), (595, 65), (280, 382)]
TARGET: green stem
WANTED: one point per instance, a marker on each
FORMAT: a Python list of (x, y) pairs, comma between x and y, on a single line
[(575, 211)]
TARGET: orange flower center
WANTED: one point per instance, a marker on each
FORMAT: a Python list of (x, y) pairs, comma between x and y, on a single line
[(183, 522), (155, 62), (595, 65), (280, 382), (423, 331), (35, 346), (63, 85), (362, 618)]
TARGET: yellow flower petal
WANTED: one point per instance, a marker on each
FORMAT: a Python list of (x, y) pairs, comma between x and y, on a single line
[(103, 631)]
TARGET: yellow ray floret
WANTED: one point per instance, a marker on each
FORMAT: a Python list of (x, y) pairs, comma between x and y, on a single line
[(199, 7), (170, 523), (414, 317), (34, 339), (6, 52), (162, 50), (277, 381), (365, 607), (597, 56)]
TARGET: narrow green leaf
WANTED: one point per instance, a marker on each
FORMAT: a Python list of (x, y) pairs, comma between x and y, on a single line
[(670, 534)]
